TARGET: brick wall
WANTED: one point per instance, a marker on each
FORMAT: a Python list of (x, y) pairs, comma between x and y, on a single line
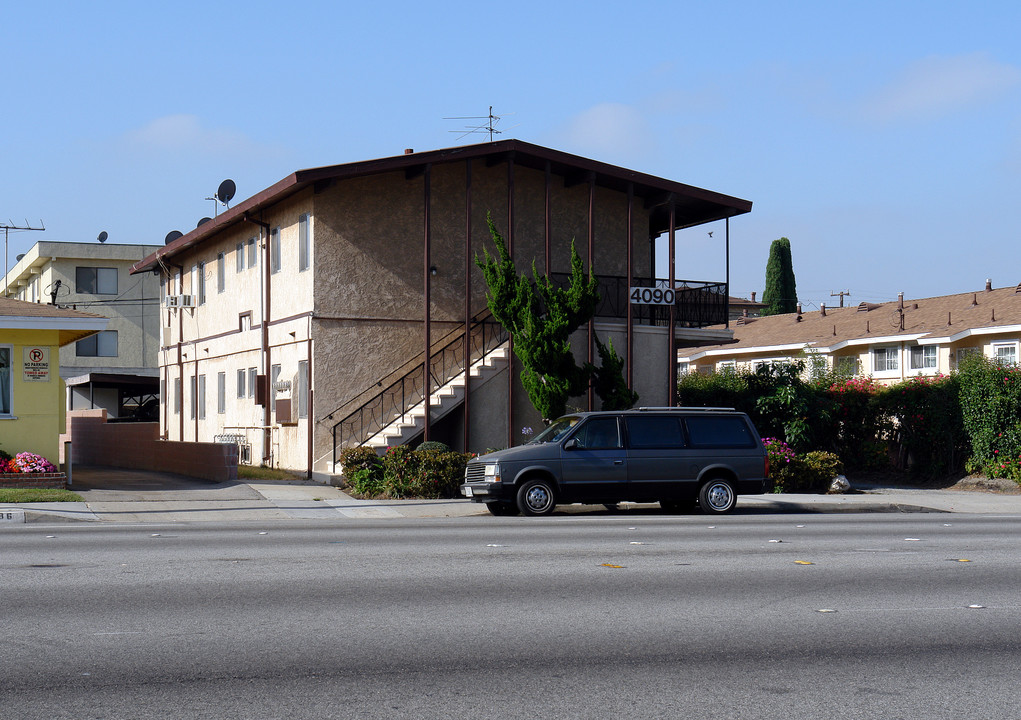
[(48, 481), (137, 446)]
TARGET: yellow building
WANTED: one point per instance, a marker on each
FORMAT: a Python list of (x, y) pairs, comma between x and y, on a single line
[(31, 391)]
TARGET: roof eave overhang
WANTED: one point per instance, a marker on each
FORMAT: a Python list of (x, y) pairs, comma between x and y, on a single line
[(692, 205)]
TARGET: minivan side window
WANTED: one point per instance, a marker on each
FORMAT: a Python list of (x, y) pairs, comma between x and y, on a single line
[(719, 432), (655, 432), (599, 434)]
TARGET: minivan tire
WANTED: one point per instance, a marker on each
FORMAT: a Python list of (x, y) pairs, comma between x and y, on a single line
[(502, 509), (537, 497), (717, 496)]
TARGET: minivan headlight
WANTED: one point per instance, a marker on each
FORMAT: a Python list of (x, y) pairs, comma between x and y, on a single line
[(493, 472)]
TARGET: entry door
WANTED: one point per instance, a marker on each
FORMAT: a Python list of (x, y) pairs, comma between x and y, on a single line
[(595, 468)]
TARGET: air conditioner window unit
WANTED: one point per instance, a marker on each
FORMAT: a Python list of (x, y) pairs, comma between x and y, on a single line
[(171, 301), (187, 300)]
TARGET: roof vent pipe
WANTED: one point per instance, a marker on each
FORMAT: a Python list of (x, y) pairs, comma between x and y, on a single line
[(822, 309), (974, 299), (989, 285), (753, 294), (900, 300), (409, 151)]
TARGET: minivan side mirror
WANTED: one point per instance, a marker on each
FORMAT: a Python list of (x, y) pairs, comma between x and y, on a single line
[(571, 444)]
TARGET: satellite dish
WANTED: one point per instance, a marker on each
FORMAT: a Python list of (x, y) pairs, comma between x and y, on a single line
[(18, 259), (171, 236), (203, 221), (226, 191), (102, 237)]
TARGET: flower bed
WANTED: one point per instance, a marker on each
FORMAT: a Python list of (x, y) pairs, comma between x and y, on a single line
[(28, 470)]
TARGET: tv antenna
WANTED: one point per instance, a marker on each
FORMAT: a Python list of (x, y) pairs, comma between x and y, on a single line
[(7, 230), (489, 126)]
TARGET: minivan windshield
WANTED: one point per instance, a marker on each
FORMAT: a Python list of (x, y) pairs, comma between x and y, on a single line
[(556, 431)]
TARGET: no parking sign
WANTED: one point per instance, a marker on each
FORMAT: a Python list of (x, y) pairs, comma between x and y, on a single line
[(37, 364)]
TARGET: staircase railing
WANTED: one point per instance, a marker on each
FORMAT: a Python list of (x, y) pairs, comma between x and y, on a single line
[(393, 396)]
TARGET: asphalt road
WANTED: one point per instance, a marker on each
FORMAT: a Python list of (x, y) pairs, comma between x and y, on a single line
[(849, 616)]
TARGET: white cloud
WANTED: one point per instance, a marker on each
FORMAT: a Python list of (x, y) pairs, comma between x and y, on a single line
[(185, 133), (937, 86), (609, 130)]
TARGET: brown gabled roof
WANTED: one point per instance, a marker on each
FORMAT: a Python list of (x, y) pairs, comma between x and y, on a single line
[(692, 205), (73, 325), (947, 318)]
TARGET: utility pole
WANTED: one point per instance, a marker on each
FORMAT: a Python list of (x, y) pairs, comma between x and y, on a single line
[(7, 229), (842, 293)]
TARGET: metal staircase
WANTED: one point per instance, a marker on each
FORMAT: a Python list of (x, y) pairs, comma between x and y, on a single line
[(392, 412)]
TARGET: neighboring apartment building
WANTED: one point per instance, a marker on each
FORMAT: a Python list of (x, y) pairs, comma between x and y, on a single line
[(297, 322), (890, 341), (116, 368)]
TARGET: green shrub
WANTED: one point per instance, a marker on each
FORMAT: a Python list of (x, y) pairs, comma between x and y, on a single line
[(356, 458), (433, 445), (860, 424), (928, 424), (420, 473), (990, 400)]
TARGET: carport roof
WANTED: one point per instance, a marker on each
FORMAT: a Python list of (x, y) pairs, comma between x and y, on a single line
[(692, 205)]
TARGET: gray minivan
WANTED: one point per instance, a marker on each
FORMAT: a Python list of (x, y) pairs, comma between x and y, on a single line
[(674, 456)]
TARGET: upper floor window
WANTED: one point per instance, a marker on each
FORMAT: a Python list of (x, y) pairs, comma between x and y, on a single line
[(96, 280), (221, 273), (304, 242), (239, 253), (274, 250), (885, 360), (253, 252), (200, 292), (102, 344)]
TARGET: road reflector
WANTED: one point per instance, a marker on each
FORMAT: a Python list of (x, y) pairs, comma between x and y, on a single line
[(803, 562), (609, 565)]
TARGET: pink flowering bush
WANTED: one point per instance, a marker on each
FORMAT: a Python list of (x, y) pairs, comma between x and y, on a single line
[(791, 472), (26, 462)]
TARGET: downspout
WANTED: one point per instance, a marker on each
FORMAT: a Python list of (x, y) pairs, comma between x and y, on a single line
[(310, 410), (266, 435)]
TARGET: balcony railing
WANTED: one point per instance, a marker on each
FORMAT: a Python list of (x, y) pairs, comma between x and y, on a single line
[(699, 303)]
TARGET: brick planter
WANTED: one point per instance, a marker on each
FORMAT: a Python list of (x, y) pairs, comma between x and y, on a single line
[(48, 481)]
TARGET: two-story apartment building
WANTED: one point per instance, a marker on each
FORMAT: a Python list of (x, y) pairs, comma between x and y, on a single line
[(116, 368), (300, 320), (890, 341)]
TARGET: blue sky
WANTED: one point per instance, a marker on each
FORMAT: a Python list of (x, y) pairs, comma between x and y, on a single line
[(883, 139)]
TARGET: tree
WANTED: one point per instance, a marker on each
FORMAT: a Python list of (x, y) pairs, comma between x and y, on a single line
[(609, 383), (781, 294), (541, 317)]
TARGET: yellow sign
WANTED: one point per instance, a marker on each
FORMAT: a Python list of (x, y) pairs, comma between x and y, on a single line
[(36, 367)]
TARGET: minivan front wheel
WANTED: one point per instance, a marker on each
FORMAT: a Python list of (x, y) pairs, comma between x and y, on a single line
[(717, 496), (537, 497)]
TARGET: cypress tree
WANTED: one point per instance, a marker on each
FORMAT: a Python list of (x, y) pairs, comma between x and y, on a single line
[(781, 294)]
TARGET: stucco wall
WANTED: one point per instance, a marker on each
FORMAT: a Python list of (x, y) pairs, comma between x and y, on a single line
[(37, 408)]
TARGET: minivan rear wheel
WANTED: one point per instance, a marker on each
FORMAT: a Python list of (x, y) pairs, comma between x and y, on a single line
[(502, 509), (537, 497), (717, 496)]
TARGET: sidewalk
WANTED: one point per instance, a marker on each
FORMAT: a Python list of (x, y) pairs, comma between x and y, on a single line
[(123, 496)]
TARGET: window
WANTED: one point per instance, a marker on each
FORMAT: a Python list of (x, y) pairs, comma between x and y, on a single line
[(599, 434), (177, 283), (1005, 353), (239, 252), (6, 378), (96, 280), (221, 273), (304, 243), (967, 352), (177, 396), (245, 321), (221, 393), (102, 344), (201, 292), (922, 357), (719, 432), (846, 365), (654, 432), (252, 372), (193, 396), (253, 253), (726, 366), (202, 397), (885, 360), (241, 383), (303, 388), (274, 250)]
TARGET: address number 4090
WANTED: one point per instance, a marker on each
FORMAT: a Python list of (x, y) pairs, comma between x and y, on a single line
[(652, 296)]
